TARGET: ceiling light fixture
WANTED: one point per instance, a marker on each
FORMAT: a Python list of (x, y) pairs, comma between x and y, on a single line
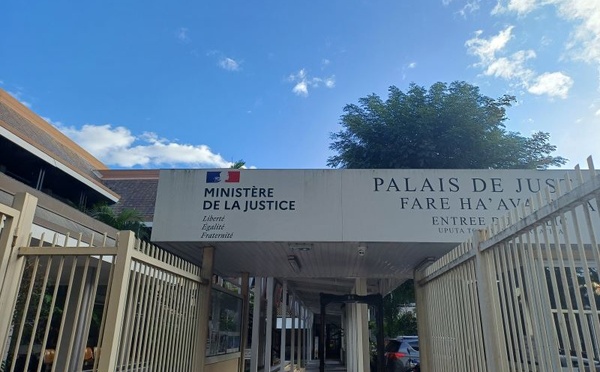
[(294, 263), (302, 247)]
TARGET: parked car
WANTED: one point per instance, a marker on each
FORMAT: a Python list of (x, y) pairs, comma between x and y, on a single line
[(402, 354), (588, 365)]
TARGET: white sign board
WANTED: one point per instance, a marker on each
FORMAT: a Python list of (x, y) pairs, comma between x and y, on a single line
[(338, 205)]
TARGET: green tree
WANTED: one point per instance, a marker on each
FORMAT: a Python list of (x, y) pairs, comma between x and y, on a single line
[(240, 164), (396, 323), (445, 127), (126, 219)]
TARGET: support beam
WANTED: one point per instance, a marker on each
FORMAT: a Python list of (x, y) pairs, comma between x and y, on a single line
[(208, 259), (269, 325), (299, 336), (283, 327), (245, 320), (293, 334), (322, 336), (255, 346)]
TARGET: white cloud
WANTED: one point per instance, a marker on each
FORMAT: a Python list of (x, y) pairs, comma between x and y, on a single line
[(325, 62), (494, 61), (521, 7), (117, 146), (470, 7), (512, 67), (229, 64), (302, 82), (183, 35), (486, 49), (598, 113), (412, 65), (584, 41), (301, 89), (555, 84), (585, 38)]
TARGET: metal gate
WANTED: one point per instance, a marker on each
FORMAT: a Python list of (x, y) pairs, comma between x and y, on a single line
[(522, 295), (66, 305)]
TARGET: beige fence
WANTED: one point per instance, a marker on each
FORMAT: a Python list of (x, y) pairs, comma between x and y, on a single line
[(522, 295), (72, 307)]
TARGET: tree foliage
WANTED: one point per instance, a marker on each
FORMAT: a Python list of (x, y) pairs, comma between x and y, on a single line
[(126, 219), (445, 127), (240, 164), (395, 322)]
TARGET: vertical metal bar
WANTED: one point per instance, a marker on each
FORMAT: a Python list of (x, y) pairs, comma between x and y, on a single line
[(104, 310), (38, 311), (560, 316), (138, 336), (65, 310), (590, 349), (77, 311), (157, 313), (25, 311), (92, 300), (129, 315), (115, 313), (176, 315), (164, 320), (539, 338), (151, 319), (521, 299), (51, 311), (489, 317)]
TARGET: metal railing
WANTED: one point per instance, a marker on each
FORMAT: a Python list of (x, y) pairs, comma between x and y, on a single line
[(131, 306), (522, 295)]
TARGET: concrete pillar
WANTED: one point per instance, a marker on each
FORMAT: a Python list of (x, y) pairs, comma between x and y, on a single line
[(363, 326), (245, 284), (299, 336), (293, 333), (283, 326), (269, 325), (256, 325)]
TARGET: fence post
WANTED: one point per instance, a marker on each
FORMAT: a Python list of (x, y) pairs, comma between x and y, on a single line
[(26, 205), (204, 304), (116, 302), (487, 291), (423, 321)]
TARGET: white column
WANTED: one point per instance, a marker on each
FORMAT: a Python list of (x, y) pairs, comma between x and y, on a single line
[(245, 282), (363, 326), (283, 327), (304, 336), (269, 325), (300, 335), (293, 333), (256, 325)]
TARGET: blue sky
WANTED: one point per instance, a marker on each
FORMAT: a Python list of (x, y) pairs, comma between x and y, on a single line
[(204, 83)]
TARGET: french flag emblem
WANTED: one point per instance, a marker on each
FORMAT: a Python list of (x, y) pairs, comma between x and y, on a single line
[(215, 177)]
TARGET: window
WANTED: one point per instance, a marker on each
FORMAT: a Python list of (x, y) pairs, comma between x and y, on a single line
[(224, 325)]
